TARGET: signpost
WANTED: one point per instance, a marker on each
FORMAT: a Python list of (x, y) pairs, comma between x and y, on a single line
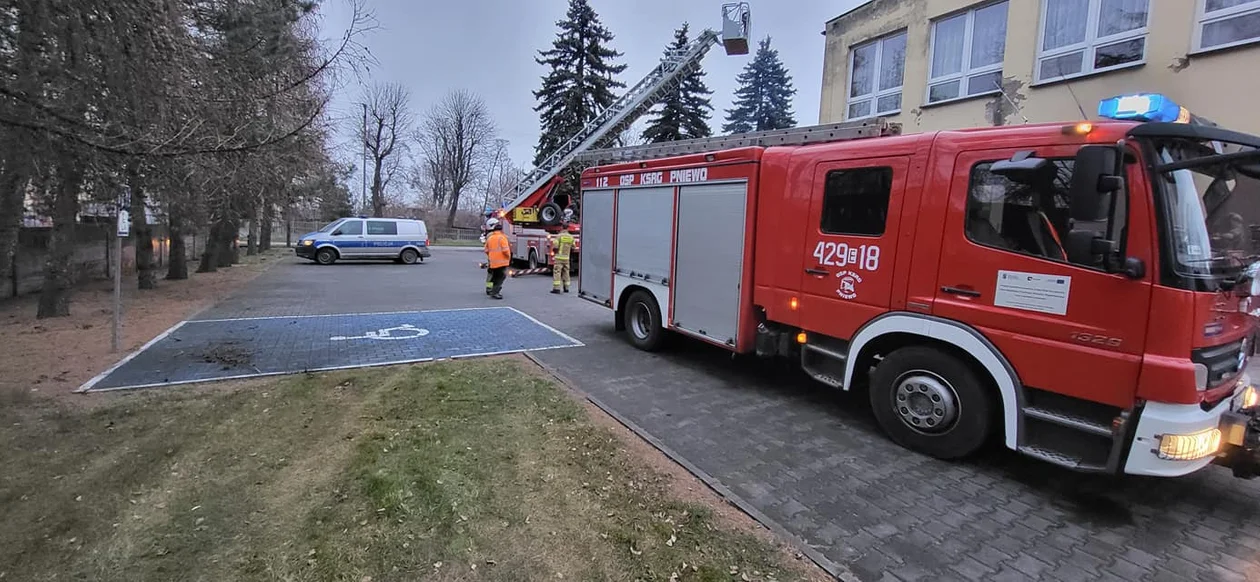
[(124, 230)]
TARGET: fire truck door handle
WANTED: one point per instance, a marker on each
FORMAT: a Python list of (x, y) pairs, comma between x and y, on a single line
[(958, 291), (819, 272)]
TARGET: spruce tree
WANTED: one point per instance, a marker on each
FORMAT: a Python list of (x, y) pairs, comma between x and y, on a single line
[(764, 98), (580, 81), (684, 111)]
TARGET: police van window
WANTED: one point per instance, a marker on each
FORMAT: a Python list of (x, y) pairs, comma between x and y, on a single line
[(1031, 219), (350, 227), (855, 201), (382, 227)]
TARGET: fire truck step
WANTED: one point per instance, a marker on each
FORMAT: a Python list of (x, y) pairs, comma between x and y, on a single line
[(1063, 459), (1070, 420), (824, 363)]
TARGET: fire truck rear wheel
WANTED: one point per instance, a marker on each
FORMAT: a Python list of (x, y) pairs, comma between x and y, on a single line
[(533, 259), (643, 321), (932, 402)]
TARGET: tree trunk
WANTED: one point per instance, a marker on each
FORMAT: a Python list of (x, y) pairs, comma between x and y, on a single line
[(210, 256), (146, 267), (378, 197), (450, 216), (230, 249), (13, 181), (268, 223), (54, 299), (251, 240), (177, 268)]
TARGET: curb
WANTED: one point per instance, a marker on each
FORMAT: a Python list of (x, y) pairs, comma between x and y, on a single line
[(837, 571)]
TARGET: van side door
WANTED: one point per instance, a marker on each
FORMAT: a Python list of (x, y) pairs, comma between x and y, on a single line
[(348, 238), (1064, 323), (381, 239), (851, 243)]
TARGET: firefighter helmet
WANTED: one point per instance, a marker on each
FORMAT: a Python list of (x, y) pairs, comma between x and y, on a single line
[(494, 224)]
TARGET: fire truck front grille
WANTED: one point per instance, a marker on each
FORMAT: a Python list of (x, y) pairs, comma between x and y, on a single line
[(1222, 361)]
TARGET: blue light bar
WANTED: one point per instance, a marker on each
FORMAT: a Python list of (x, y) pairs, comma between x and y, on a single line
[(1143, 107)]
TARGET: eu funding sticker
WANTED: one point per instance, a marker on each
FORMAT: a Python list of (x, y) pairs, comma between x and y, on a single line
[(1033, 292)]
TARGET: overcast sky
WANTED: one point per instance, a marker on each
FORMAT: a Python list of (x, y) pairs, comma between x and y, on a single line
[(488, 46)]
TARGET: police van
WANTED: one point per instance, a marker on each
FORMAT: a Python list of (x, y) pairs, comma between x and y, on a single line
[(401, 239)]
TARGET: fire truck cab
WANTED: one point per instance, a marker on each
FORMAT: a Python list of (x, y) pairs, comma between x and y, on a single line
[(1079, 291)]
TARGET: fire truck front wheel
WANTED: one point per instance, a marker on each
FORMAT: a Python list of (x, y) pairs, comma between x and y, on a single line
[(642, 319), (930, 401)]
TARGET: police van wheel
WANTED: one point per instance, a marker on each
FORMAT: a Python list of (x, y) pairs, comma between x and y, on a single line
[(326, 256), (409, 256), (643, 321), (932, 402)]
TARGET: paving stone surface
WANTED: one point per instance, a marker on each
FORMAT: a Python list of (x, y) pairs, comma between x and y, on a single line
[(812, 459)]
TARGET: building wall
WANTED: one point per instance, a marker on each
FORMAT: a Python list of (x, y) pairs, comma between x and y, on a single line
[(1219, 85)]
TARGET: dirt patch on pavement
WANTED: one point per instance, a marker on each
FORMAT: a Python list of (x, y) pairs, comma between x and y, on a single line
[(53, 357)]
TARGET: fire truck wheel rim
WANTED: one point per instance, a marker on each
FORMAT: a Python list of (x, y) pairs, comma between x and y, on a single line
[(925, 402), (642, 321)]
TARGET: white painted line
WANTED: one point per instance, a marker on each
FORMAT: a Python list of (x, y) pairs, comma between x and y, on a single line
[(324, 369), (342, 314), (505, 352), (90, 383), (552, 329)]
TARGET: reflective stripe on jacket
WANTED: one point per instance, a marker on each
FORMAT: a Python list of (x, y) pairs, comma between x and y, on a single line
[(564, 244), (498, 251)]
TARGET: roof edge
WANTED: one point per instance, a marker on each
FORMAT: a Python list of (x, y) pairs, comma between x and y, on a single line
[(850, 11)]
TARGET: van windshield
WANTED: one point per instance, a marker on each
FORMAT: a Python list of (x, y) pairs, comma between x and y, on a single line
[(330, 226)]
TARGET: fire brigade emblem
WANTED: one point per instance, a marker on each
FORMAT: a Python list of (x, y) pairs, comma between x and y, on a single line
[(848, 284)]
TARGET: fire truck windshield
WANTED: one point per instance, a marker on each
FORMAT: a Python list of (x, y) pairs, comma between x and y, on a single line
[(1210, 207)]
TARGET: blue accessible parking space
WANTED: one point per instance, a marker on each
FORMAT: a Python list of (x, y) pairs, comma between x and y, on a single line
[(199, 351)]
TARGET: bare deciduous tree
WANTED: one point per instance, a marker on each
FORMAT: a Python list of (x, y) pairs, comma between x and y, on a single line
[(457, 138), (388, 110)]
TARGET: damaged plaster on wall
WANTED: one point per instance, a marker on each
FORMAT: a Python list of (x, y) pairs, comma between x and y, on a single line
[(1005, 105)]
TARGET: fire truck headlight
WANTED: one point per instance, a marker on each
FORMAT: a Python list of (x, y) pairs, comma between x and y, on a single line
[(1190, 447)]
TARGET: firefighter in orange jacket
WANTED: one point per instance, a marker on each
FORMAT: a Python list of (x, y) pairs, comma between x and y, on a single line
[(498, 257)]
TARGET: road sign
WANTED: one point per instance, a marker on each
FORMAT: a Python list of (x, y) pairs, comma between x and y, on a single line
[(124, 223)]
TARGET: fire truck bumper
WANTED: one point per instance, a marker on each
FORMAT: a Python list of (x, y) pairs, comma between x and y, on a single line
[(1178, 439), (1240, 439)]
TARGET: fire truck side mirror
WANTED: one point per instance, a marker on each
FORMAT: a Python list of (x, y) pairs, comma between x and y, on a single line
[(1095, 177)]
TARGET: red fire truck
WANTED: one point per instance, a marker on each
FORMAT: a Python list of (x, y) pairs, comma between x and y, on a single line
[(534, 248), (1079, 291)]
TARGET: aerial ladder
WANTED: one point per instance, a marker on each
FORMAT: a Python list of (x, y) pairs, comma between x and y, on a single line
[(535, 201)]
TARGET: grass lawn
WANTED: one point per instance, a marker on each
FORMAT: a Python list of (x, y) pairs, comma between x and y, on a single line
[(471, 470), (457, 243)]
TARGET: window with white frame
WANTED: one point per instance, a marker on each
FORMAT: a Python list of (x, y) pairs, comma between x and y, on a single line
[(1079, 37), (1226, 23), (876, 69), (967, 52)]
